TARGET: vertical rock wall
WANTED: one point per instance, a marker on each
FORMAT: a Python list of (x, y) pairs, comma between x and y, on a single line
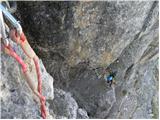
[(72, 38)]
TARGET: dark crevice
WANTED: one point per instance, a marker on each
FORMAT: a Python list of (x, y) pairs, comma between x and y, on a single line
[(149, 16), (128, 72)]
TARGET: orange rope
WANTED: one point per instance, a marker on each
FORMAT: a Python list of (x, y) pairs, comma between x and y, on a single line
[(43, 107), (12, 53), (36, 62)]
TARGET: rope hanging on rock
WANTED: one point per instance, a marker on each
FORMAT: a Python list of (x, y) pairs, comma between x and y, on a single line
[(22, 39), (18, 36)]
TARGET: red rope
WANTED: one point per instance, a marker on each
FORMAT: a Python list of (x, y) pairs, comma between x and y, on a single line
[(43, 107), (18, 59), (36, 62)]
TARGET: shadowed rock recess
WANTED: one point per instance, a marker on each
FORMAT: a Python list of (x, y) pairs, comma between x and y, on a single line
[(73, 38)]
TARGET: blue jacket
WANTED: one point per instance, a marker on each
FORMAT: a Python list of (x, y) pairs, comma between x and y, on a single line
[(109, 78)]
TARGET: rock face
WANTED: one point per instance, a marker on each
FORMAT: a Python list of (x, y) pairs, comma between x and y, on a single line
[(17, 99), (73, 38), (65, 106)]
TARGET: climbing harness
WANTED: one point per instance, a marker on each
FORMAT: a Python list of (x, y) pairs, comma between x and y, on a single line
[(18, 36)]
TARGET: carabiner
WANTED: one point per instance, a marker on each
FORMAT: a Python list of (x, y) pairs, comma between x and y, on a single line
[(11, 6), (12, 20), (3, 30)]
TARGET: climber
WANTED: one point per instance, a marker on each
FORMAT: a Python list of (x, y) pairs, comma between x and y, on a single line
[(109, 78), (18, 36)]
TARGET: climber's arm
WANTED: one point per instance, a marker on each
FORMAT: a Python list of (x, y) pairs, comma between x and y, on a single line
[(31, 54)]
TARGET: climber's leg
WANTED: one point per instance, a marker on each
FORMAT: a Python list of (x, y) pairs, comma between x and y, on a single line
[(34, 88), (36, 62), (11, 52), (31, 54), (110, 84)]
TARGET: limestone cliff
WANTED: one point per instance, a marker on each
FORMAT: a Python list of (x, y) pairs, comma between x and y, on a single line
[(73, 38)]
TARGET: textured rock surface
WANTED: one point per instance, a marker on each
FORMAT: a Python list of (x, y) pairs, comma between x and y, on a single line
[(64, 106), (17, 99), (74, 37)]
